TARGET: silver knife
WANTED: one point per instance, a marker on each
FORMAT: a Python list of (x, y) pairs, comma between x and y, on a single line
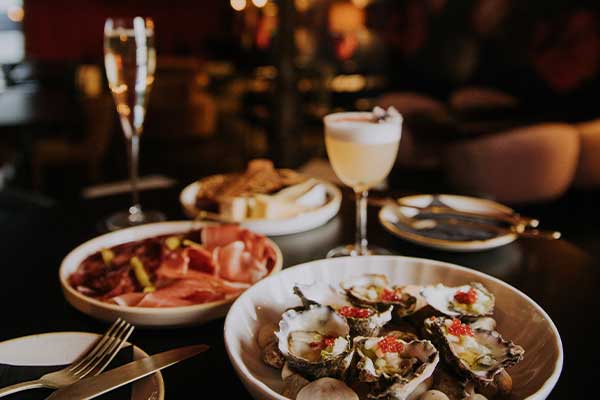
[(94, 386)]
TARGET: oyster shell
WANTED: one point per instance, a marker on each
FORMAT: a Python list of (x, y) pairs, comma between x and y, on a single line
[(395, 367), (476, 354), (374, 290), (323, 294), (443, 299), (292, 382), (315, 342), (487, 323), (454, 387), (272, 356), (326, 389)]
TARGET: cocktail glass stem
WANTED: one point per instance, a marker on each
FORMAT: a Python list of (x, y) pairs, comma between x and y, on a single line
[(135, 211), (361, 222)]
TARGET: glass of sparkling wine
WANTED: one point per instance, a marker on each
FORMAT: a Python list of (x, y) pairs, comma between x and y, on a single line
[(362, 148), (130, 62)]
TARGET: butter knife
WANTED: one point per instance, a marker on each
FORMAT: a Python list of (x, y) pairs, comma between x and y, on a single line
[(94, 386)]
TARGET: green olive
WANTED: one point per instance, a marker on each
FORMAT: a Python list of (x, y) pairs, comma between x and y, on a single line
[(107, 256), (173, 242)]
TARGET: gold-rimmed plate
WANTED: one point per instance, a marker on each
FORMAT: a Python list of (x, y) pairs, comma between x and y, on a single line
[(393, 218)]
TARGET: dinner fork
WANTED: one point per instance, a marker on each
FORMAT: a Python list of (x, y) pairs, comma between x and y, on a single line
[(92, 362)]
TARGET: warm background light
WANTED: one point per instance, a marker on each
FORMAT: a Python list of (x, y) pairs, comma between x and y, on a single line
[(302, 5), (259, 3), (346, 18), (238, 5), (361, 3), (271, 10), (15, 14)]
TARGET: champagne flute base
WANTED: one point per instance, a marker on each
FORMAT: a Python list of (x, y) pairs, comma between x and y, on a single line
[(353, 251), (125, 219)]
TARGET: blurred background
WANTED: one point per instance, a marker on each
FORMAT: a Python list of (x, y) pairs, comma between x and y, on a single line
[(500, 97)]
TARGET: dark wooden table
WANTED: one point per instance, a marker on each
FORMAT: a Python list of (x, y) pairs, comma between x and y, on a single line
[(562, 276)]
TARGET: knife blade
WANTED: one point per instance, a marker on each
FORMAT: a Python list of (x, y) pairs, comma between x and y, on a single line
[(94, 386)]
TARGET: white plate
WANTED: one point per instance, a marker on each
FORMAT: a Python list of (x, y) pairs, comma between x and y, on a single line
[(141, 316), (280, 226), (61, 348), (390, 221), (519, 318)]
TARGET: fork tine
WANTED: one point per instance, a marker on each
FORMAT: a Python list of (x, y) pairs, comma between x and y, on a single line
[(102, 349), (102, 360), (110, 356), (97, 346)]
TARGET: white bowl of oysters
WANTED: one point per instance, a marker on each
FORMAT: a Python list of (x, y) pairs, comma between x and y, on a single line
[(393, 328)]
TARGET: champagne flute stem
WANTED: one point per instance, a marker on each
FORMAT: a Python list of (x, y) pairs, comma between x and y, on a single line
[(361, 222), (135, 211)]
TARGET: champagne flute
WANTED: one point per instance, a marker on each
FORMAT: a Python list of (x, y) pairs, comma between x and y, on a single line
[(362, 149), (130, 62)]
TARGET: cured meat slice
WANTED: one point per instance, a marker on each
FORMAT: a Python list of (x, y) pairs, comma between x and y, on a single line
[(156, 299), (229, 259), (238, 265), (184, 292), (201, 260), (219, 235), (175, 264), (128, 299)]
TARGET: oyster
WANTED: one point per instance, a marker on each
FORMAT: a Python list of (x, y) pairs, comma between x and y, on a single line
[(476, 354), (374, 290), (315, 342), (363, 320), (471, 301), (395, 367)]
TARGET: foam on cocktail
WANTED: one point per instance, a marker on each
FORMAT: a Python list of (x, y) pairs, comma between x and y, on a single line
[(377, 127)]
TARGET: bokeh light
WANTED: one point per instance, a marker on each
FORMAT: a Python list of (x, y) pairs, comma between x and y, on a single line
[(238, 5)]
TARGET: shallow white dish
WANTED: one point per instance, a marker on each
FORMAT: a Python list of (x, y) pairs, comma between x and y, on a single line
[(140, 316), (533, 378), (62, 348), (390, 221), (280, 226)]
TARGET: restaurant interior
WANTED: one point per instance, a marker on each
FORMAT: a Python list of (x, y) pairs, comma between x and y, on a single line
[(499, 103)]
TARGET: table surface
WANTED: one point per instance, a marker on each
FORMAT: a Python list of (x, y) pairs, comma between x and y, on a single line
[(562, 276)]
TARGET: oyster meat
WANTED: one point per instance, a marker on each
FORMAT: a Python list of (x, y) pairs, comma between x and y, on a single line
[(476, 354), (470, 301), (394, 367), (315, 342), (363, 320), (374, 290)]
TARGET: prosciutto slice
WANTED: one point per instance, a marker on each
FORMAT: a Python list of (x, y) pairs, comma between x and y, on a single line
[(182, 292), (220, 235), (239, 265)]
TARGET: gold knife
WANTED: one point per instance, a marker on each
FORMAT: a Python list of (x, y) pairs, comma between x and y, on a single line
[(94, 386)]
